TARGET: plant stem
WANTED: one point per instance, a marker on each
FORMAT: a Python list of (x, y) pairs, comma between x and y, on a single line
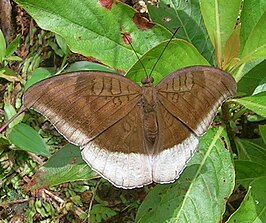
[(227, 117)]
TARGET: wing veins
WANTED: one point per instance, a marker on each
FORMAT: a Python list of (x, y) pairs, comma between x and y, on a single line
[(214, 83), (92, 120), (187, 103), (165, 121), (175, 116), (179, 109), (116, 121)]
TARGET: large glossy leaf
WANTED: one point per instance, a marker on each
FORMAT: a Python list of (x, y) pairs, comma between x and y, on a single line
[(252, 79), (251, 150), (250, 15), (178, 54), (66, 165), (231, 49), (251, 163), (256, 103), (248, 171), (94, 29), (255, 46), (253, 207), (220, 19), (187, 16), (89, 66), (200, 193), (242, 70), (26, 138)]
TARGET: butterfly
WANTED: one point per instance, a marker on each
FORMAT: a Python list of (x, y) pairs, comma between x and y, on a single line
[(133, 135)]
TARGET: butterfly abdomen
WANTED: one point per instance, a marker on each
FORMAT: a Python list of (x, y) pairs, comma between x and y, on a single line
[(150, 127), (149, 115)]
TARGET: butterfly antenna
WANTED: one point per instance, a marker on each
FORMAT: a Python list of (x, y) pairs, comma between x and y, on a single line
[(164, 50), (129, 41)]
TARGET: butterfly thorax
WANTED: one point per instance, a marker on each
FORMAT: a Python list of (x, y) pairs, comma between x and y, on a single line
[(147, 81), (149, 113)]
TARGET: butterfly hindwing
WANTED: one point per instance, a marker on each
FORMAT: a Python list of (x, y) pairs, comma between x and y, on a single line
[(176, 145), (119, 153)]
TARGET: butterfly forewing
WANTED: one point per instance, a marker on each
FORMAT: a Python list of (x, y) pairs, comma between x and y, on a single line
[(194, 94), (81, 105)]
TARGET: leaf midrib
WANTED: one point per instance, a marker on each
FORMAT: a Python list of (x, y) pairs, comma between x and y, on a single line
[(256, 105), (77, 24), (218, 31), (211, 146)]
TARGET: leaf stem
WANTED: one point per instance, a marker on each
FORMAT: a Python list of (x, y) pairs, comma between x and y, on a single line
[(227, 117)]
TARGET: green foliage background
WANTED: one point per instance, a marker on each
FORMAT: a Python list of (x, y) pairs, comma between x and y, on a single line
[(226, 34)]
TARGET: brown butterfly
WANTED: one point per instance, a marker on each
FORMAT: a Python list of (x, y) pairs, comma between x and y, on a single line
[(133, 135)]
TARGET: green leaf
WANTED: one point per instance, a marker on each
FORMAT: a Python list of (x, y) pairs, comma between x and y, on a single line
[(100, 213), (39, 74), (58, 51), (93, 30), (250, 16), (178, 54), (2, 46), (9, 74), (231, 49), (248, 171), (199, 195), (12, 47), (90, 66), (10, 111), (241, 71), (66, 165), (62, 43), (256, 103), (251, 162), (251, 149), (13, 58), (252, 79), (187, 16), (254, 118), (255, 46), (261, 87), (220, 19), (262, 129), (253, 207), (28, 139)]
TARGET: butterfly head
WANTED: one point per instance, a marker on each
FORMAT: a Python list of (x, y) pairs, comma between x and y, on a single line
[(147, 81)]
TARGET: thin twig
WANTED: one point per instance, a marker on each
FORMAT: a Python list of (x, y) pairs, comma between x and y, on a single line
[(78, 211), (9, 203), (93, 196), (35, 158)]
